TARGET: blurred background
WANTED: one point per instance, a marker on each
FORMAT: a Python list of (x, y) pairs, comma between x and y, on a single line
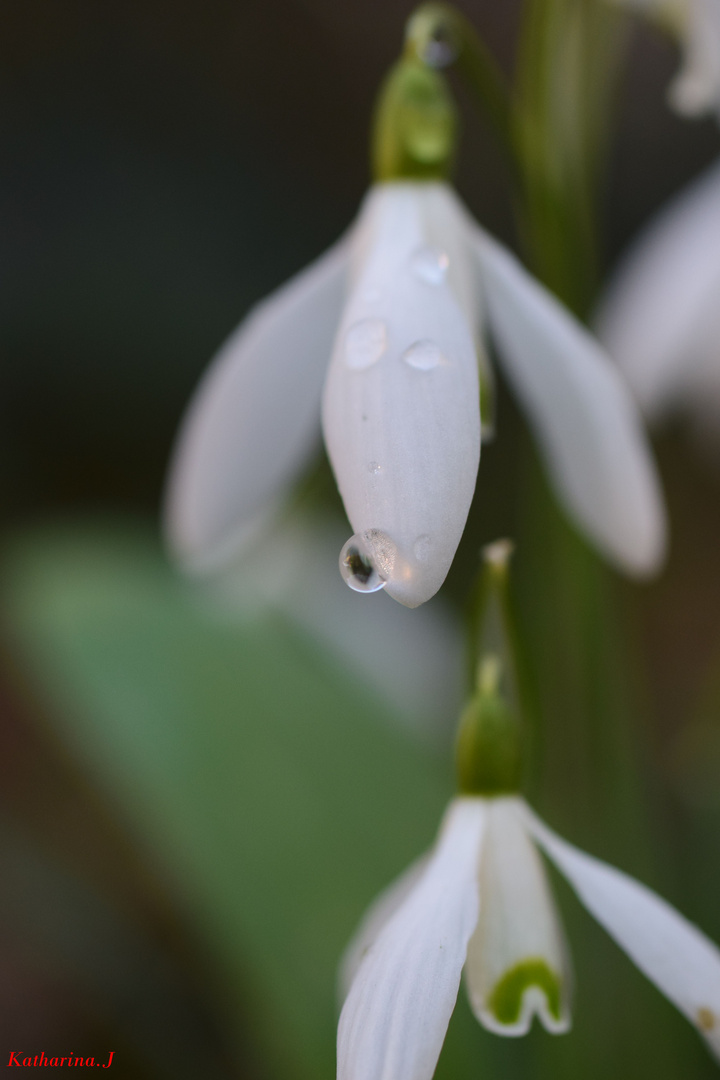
[(199, 796)]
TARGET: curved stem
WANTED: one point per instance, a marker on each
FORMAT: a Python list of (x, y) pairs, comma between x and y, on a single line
[(441, 36)]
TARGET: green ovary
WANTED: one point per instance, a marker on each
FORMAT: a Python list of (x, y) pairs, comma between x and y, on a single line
[(505, 1001)]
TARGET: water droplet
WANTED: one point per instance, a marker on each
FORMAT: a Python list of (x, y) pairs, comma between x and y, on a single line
[(422, 548), (423, 355), (365, 342), (430, 265), (367, 561), (441, 48), (374, 467)]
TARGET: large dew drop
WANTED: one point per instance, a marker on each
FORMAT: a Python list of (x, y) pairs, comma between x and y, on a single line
[(367, 561), (365, 342), (423, 355), (430, 265)]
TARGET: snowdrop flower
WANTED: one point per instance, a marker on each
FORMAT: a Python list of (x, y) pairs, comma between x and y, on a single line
[(481, 901), (389, 331), (660, 317), (696, 24)]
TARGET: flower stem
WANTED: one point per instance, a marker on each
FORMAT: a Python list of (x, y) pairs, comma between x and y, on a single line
[(567, 66), (441, 36)]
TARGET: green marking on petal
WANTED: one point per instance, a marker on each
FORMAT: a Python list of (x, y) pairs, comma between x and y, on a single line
[(505, 1002)]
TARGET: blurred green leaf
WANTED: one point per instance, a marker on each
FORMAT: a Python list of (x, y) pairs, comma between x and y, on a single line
[(276, 792)]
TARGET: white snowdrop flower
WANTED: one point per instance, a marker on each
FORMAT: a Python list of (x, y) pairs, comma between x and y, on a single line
[(660, 316), (389, 331), (696, 25), (481, 901)]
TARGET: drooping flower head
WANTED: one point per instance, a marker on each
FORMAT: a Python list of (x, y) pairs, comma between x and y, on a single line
[(391, 330), (480, 902), (696, 25)]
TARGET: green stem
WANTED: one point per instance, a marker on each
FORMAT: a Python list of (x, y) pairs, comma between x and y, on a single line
[(568, 62), (440, 36)]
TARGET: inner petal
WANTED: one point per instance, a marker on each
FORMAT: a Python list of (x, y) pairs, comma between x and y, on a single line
[(517, 965)]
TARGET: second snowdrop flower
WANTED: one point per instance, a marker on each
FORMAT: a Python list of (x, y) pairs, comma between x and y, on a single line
[(481, 903), (402, 308)]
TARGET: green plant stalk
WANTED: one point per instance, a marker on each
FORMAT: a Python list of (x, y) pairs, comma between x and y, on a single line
[(569, 59), (589, 781)]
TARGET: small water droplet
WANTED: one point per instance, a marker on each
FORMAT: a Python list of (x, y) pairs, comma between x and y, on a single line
[(374, 467), (365, 342), (423, 355), (441, 48), (367, 561), (422, 548), (430, 265)]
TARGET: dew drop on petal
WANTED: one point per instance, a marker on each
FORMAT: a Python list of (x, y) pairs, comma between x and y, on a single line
[(365, 342), (422, 548), (423, 355), (367, 561), (430, 265), (374, 467)]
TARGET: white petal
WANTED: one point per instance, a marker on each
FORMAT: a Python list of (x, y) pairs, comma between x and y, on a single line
[(375, 918), (585, 421), (254, 419), (415, 660), (679, 959), (404, 440), (696, 89), (517, 961), (395, 1017), (660, 317)]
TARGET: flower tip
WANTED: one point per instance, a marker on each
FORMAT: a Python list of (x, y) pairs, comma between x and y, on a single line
[(529, 990), (371, 561), (499, 553), (645, 557)]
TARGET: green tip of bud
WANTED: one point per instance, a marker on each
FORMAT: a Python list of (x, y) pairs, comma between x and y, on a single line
[(415, 125), (498, 554), (507, 996)]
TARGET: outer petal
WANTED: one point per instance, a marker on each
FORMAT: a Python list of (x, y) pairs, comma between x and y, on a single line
[(254, 419), (679, 959), (517, 961), (404, 440), (413, 659), (585, 421), (375, 919), (395, 1017), (660, 318)]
